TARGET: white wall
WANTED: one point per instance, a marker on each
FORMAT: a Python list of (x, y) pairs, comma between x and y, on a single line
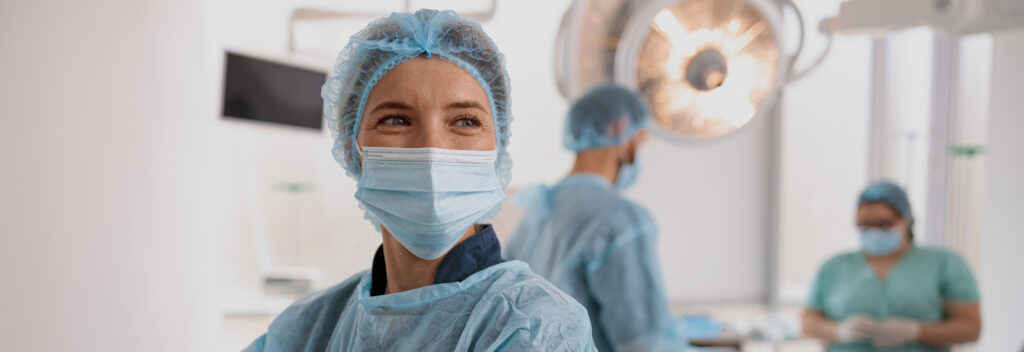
[(824, 151), (106, 221), (1000, 260), (710, 202)]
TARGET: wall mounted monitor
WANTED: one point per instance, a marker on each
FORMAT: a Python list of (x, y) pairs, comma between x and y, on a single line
[(271, 91)]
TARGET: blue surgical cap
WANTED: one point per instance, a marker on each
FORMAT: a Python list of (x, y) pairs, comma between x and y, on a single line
[(390, 41), (890, 194), (593, 120)]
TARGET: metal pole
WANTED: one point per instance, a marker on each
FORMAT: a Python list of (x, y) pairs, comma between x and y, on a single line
[(876, 123), (943, 106)]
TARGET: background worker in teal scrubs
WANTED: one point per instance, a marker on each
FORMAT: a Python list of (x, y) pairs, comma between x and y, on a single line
[(892, 295)]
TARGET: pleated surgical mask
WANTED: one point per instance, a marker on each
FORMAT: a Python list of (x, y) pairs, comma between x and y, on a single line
[(428, 197), (628, 173), (880, 242)]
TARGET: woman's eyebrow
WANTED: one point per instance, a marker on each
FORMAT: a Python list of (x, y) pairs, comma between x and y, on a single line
[(391, 105), (466, 105)]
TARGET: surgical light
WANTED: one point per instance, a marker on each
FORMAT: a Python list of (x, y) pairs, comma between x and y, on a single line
[(706, 67)]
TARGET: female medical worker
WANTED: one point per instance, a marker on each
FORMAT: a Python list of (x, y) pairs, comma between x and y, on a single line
[(592, 242), (419, 109), (892, 295)]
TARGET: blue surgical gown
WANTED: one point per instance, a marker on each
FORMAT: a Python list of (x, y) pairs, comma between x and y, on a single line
[(503, 307), (917, 288), (599, 248)]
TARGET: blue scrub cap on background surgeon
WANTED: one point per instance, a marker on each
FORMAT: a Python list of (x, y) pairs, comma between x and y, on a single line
[(890, 194), (390, 41), (593, 119)]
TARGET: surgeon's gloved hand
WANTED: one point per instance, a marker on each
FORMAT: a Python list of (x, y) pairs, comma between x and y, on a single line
[(894, 332), (855, 328)]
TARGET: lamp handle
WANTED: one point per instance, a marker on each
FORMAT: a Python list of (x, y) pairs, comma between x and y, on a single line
[(793, 75), (799, 43)]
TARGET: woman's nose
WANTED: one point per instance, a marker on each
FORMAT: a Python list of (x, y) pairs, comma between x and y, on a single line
[(433, 134)]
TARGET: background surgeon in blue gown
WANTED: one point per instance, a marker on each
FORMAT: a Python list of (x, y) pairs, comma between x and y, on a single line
[(418, 107), (592, 242)]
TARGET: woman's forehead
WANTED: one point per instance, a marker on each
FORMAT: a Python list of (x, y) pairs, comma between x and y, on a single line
[(428, 81)]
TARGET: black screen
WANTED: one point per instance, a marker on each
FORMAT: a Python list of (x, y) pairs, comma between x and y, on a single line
[(262, 90)]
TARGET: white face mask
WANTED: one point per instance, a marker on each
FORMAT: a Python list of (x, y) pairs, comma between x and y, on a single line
[(428, 197)]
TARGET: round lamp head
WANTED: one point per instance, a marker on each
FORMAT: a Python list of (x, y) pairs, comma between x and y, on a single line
[(707, 67)]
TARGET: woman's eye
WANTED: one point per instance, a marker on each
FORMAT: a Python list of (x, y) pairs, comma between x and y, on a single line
[(467, 122), (394, 121)]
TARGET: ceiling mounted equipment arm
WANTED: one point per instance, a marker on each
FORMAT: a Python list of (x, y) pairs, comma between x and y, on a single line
[(953, 17)]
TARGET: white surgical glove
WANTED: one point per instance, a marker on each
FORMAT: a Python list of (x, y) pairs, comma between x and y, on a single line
[(855, 328), (894, 332)]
